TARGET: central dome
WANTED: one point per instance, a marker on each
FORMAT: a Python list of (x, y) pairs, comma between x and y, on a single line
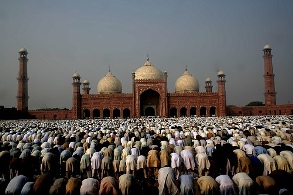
[(109, 84), (186, 83), (149, 72)]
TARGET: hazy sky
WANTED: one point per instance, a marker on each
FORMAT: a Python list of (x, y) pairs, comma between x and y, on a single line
[(86, 36)]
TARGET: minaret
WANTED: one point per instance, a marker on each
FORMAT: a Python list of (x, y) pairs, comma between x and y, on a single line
[(209, 87), (86, 87), (222, 93), (22, 92), (270, 94), (76, 99)]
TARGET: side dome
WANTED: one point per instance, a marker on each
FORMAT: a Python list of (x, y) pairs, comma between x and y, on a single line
[(76, 75), (186, 83), (86, 82), (23, 50), (149, 72), (221, 73), (267, 46), (109, 84)]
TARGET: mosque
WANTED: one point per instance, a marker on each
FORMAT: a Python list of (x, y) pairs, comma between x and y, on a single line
[(150, 96)]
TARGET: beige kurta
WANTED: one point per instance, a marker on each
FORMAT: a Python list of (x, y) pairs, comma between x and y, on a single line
[(72, 165), (268, 162), (207, 185), (202, 162), (164, 158), (106, 163), (267, 183), (282, 163), (141, 162), (122, 166), (116, 164), (130, 163), (167, 181), (153, 159), (244, 183), (289, 157), (126, 184)]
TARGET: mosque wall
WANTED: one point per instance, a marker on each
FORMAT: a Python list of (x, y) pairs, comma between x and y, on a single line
[(285, 109), (50, 114), (151, 98), (195, 104), (106, 105)]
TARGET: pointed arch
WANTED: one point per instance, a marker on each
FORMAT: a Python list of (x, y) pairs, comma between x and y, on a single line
[(173, 112), (116, 113), (193, 111), (106, 113), (213, 111), (203, 111), (86, 113), (183, 112), (126, 113), (96, 113), (150, 103)]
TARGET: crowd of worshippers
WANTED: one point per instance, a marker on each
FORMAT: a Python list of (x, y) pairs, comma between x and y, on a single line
[(211, 155)]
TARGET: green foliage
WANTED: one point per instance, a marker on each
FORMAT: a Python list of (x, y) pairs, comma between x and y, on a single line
[(255, 103)]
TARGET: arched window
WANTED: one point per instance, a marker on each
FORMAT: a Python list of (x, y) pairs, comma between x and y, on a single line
[(116, 113), (126, 113), (193, 111), (106, 113), (86, 113), (203, 111), (173, 112), (96, 113), (183, 112), (213, 111)]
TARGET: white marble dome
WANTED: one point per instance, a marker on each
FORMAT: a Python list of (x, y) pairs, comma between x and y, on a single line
[(208, 79), (109, 84), (267, 46), (148, 71), (86, 82), (221, 73), (186, 83), (76, 75), (23, 50)]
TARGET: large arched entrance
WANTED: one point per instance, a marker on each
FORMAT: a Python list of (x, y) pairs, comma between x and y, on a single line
[(149, 111), (173, 112), (126, 113), (96, 113), (150, 103), (86, 113)]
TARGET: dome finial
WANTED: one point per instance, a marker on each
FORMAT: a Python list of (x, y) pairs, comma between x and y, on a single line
[(109, 68), (148, 58), (186, 68)]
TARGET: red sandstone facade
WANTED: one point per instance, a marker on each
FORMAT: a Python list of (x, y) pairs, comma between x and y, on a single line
[(150, 97), (22, 92), (270, 107)]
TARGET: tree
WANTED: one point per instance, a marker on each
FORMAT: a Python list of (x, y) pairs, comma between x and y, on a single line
[(255, 103)]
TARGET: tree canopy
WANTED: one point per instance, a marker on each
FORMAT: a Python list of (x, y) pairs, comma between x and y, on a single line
[(255, 103)]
